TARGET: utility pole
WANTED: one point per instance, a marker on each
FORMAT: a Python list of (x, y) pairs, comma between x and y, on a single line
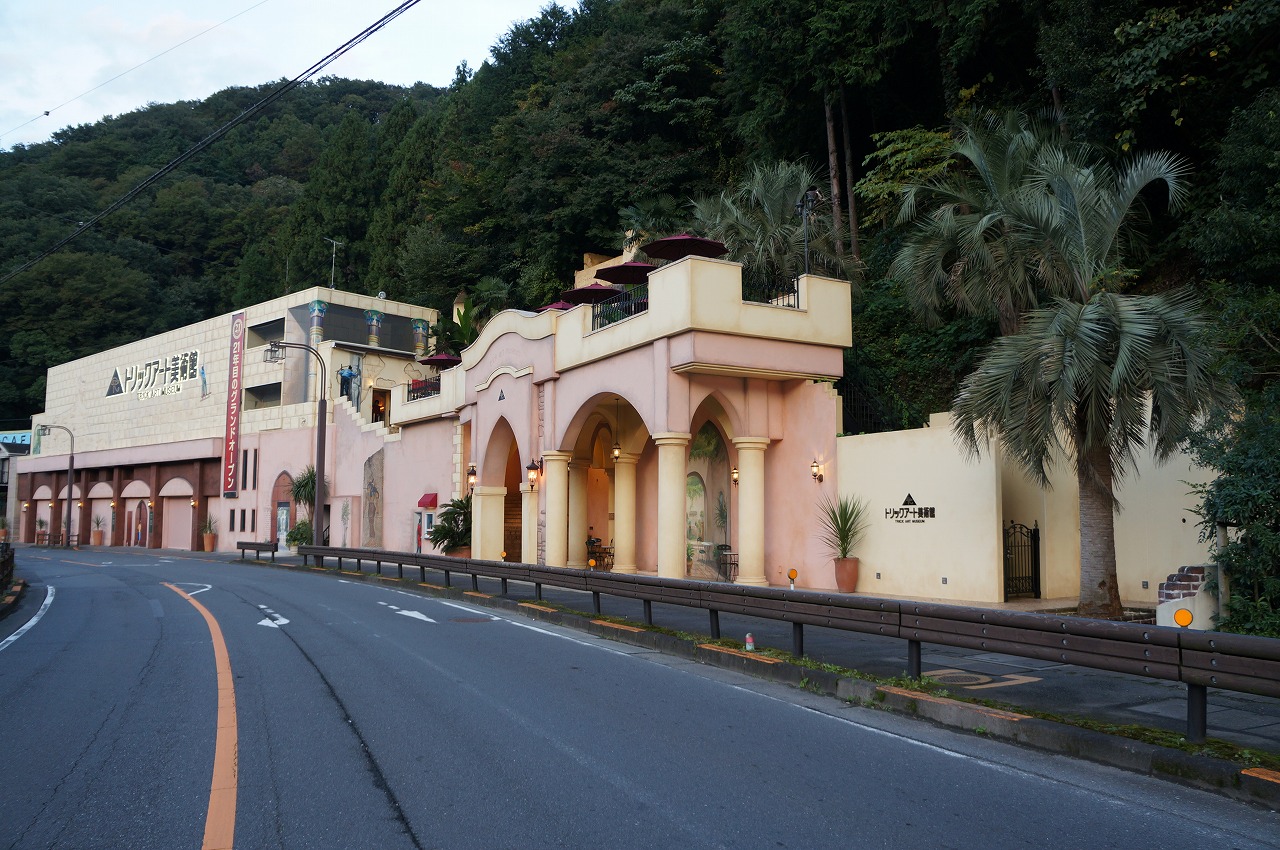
[(333, 261)]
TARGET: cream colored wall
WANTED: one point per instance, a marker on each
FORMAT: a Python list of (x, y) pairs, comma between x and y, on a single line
[(1156, 531), (962, 543)]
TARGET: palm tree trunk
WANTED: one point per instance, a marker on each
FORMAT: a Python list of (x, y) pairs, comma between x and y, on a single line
[(848, 177), (833, 160), (1099, 588)]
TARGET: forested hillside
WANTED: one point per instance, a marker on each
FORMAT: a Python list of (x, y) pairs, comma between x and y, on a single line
[(614, 115)]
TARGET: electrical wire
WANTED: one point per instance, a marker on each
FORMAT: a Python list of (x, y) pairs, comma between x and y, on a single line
[(217, 134), (49, 112)]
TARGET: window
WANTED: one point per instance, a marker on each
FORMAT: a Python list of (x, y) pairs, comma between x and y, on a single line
[(244, 471), (255, 469), (242, 519), (231, 520), (253, 519)]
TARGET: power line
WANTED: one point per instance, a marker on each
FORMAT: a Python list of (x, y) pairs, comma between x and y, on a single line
[(217, 134), (49, 112)]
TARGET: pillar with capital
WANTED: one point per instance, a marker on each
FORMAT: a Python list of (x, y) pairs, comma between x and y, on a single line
[(751, 509), (528, 523), (556, 478), (578, 513), (421, 330), (673, 451), (373, 321), (624, 513)]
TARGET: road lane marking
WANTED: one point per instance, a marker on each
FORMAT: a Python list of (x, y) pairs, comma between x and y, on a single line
[(220, 820), (272, 619), (48, 600)]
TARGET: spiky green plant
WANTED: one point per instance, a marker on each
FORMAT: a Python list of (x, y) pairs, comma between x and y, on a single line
[(841, 524)]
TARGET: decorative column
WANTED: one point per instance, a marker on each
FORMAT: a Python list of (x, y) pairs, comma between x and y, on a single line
[(421, 330), (624, 513), (751, 509), (373, 320), (317, 309), (673, 453), (578, 513), (528, 524), (487, 507), (556, 475)]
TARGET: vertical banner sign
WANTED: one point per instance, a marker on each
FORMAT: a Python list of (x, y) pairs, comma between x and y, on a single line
[(231, 443)]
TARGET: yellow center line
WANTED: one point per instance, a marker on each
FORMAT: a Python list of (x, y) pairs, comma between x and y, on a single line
[(220, 821)]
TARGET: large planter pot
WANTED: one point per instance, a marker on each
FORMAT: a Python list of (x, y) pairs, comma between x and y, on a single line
[(210, 542), (95, 537), (847, 574), (4, 535), (460, 552)]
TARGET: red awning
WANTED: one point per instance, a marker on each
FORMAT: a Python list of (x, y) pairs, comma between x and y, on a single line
[(428, 500)]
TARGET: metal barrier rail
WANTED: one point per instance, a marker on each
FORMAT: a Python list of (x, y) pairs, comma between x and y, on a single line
[(1199, 659)]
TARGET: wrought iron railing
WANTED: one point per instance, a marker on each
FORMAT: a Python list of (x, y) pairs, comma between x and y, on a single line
[(780, 294), (425, 388), (624, 305)]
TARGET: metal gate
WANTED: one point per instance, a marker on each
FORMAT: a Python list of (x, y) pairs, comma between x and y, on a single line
[(1021, 561)]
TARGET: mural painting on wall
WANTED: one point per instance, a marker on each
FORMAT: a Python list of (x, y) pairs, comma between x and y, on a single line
[(707, 526), (372, 525)]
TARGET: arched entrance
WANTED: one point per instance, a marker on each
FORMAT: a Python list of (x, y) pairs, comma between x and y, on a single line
[(708, 505), (283, 507), (138, 518)]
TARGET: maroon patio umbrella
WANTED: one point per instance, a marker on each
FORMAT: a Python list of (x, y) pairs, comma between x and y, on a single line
[(626, 274), (556, 305), (684, 245), (593, 294), (441, 360)]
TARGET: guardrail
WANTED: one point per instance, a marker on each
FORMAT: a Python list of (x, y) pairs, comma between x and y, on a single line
[(1199, 659)]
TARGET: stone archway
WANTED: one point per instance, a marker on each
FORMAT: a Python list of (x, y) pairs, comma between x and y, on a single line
[(283, 511)]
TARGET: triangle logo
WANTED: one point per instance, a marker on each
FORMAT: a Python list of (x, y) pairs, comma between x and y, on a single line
[(908, 500), (115, 388)]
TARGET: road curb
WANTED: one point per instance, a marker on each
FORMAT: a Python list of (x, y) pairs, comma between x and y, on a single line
[(1253, 785)]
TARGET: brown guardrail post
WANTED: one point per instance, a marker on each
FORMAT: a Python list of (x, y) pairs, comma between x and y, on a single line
[(913, 659), (422, 573), (448, 580), (475, 583), (1197, 713), (537, 591), (400, 569), (595, 601), (715, 623), (648, 612), (797, 640), (504, 587)]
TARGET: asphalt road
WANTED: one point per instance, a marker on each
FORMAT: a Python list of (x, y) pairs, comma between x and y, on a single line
[(369, 717)]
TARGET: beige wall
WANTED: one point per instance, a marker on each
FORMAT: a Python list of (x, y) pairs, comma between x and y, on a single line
[(961, 543)]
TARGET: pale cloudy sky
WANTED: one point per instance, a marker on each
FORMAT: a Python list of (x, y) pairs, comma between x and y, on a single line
[(53, 51)]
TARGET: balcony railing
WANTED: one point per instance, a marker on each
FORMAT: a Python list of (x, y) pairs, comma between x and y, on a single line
[(624, 305), (783, 294), (426, 388)]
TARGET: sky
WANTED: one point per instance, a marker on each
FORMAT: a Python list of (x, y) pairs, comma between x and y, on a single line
[(54, 51)]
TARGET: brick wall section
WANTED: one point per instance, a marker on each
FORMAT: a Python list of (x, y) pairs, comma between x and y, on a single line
[(1183, 584)]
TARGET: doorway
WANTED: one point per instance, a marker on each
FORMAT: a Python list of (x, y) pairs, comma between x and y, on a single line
[(381, 404), (282, 525)]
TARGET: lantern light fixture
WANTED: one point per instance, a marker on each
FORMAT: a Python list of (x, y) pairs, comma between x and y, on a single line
[(471, 476), (535, 469), (816, 470), (733, 476)]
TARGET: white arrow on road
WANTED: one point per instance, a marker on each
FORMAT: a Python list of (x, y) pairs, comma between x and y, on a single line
[(417, 615), (272, 620)]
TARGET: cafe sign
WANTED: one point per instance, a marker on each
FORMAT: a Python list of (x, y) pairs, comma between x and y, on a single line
[(162, 376)]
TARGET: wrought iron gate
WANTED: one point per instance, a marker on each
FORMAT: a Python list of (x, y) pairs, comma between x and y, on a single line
[(1021, 561)]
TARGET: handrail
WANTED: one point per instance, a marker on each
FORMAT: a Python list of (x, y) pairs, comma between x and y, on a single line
[(1201, 660)]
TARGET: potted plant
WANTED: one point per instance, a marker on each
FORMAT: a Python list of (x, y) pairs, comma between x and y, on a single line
[(452, 532), (842, 522), (96, 535), (209, 533), (300, 535)]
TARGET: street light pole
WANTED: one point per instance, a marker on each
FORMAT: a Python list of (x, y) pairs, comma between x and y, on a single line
[(333, 260), (71, 477), (322, 411)]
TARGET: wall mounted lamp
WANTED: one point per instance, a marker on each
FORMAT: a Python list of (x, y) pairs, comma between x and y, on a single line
[(25, 505), (113, 503), (79, 504), (816, 470), (535, 469), (617, 425), (471, 476), (150, 503), (733, 476), (193, 503)]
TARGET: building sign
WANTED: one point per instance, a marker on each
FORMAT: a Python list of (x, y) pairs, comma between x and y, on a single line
[(910, 512), (231, 443), (155, 378)]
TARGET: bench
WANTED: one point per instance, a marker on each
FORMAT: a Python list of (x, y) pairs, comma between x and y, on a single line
[(258, 547)]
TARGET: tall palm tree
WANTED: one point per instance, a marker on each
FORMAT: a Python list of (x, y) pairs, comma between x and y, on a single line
[(1098, 381), (758, 222), (1023, 216)]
